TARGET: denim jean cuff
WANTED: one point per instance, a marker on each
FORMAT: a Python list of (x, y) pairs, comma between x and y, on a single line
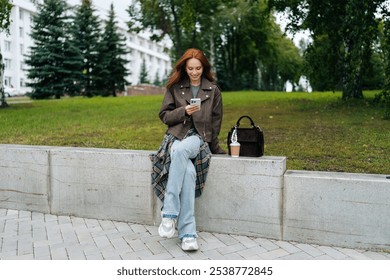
[(187, 235), (170, 216)]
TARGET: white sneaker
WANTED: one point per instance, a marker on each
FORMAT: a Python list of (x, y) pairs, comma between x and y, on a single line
[(189, 244), (167, 228)]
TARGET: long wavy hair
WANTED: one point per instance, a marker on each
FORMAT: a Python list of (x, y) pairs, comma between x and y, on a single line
[(179, 72)]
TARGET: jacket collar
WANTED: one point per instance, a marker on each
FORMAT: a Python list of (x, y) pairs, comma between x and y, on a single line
[(205, 84)]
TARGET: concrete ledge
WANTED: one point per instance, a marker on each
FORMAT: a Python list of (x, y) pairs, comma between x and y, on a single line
[(102, 183), (251, 196), (243, 196), (24, 178), (342, 209)]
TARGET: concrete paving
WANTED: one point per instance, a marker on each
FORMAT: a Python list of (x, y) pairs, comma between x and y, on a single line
[(32, 235)]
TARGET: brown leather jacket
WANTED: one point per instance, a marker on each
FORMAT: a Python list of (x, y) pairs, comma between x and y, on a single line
[(207, 121)]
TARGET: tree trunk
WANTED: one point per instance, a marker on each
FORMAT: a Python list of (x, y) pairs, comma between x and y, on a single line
[(3, 103)]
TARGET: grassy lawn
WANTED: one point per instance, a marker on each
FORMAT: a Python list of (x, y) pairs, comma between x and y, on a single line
[(316, 131)]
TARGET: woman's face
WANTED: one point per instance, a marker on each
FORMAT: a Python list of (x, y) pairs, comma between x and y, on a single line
[(194, 69)]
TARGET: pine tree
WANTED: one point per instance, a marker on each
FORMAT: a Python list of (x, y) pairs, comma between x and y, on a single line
[(143, 75), (53, 58), (111, 70), (86, 32)]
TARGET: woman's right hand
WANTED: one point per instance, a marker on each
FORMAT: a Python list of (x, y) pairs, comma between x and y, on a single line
[(190, 109)]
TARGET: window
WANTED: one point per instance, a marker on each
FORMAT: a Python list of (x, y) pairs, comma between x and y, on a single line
[(21, 14), (22, 83), (7, 81), (21, 32), (7, 47), (22, 65), (7, 63), (21, 49)]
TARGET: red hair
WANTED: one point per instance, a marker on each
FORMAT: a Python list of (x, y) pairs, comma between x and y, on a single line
[(179, 72)]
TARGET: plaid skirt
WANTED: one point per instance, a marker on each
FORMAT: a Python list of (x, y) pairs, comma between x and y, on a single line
[(161, 160)]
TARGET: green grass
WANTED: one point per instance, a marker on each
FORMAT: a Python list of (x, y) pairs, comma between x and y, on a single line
[(316, 131)]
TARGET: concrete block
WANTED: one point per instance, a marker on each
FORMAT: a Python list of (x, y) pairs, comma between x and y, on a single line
[(243, 196), (342, 209), (102, 184), (24, 178)]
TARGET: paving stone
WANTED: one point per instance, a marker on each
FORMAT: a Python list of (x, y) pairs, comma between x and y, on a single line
[(102, 241), (354, 254), (231, 249), (155, 247), (289, 247), (162, 256), (234, 256), (32, 235), (137, 245), (310, 250), (246, 241), (251, 251), (298, 256), (266, 244), (25, 247), (226, 238), (138, 228), (214, 255), (332, 252), (59, 254), (42, 251), (275, 254), (173, 247)]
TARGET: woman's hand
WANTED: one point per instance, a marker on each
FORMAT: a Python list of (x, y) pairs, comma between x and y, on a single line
[(190, 109)]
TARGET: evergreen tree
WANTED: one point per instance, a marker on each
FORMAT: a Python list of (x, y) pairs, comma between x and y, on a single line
[(86, 32), (111, 71), (157, 81), (143, 75), (53, 58)]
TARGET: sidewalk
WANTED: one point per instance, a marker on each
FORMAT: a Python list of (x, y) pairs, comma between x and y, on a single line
[(32, 235)]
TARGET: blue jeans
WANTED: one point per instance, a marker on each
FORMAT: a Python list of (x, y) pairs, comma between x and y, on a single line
[(179, 200)]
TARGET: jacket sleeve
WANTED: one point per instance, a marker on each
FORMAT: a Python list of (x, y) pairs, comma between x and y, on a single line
[(216, 122), (169, 113)]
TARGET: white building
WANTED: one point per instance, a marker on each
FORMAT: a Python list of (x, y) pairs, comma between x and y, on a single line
[(16, 45)]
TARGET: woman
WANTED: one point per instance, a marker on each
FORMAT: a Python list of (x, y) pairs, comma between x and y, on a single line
[(180, 166)]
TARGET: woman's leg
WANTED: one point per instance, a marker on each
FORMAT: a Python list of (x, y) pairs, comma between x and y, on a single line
[(181, 154), (186, 221)]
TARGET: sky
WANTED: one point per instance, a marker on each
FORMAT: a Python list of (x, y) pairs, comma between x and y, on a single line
[(120, 6)]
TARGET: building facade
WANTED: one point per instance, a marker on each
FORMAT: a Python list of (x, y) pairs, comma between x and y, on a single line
[(16, 45)]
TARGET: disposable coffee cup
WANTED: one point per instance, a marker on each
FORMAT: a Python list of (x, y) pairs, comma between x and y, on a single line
[(235, 149)]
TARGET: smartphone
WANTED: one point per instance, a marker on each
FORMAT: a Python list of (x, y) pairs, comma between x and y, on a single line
[(195, 101)]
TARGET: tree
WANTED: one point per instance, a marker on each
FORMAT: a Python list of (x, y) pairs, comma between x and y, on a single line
[(185, 22), (53, 58), (343, 33), (243, 43), (5, 12), (86, 33), (111, 71), (385, 43), (143, 75)]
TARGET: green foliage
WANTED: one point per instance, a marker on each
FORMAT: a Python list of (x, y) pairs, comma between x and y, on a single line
[(343, 34), (5, 11), (243, 43), (143, 75), (53, 58), (313, 130), (384, 96), (86, 34), (111, 69)]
